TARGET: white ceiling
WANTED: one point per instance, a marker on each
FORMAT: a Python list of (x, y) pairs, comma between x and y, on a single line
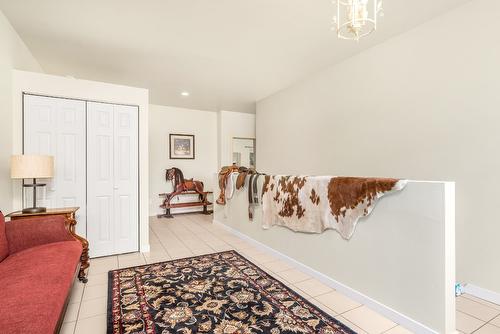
[(226, 53)]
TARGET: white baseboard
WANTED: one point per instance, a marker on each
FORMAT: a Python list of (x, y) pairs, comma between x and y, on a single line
[(380, 308), (145, 248), (488, 295)]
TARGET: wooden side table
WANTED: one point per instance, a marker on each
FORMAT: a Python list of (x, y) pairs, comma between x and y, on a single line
[(70, 222)]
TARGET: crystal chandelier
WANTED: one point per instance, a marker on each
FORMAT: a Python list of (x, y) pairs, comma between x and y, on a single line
[(356, 18)]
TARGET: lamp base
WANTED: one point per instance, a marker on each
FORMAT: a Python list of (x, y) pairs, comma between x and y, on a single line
[(34, 210)]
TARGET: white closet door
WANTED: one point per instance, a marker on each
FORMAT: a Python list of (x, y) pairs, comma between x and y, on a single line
[(112, 189), (56, 127), (100, 229), (126, 178)]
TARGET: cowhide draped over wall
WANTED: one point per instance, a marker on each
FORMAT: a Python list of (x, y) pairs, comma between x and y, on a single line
[(314, 204), (310, 204)]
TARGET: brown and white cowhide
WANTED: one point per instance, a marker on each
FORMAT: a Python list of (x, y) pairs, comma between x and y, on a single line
[(314, 204)]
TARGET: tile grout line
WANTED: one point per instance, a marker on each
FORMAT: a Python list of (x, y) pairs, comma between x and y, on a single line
[(482, 305), (161, 243), (482, 302), (187, 247), (391, 328), (193, 222), (492, 324), (355, 324), (79, 308), (214, 236), (334, 313), (473, 316), (354, 308), (479, 327), (225, 243), (217, 237), (178, 238)]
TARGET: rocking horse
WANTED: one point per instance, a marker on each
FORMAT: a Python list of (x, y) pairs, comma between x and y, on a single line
[(182, 186)]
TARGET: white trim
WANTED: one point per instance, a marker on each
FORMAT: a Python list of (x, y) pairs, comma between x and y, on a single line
[(488, 295), (145, 248), (386, 311), (449, 267)]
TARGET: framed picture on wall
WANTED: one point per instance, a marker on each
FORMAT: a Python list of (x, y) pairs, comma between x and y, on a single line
[(181, 146)]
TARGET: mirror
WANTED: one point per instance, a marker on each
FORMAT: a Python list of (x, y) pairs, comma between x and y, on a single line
[(244, 152)]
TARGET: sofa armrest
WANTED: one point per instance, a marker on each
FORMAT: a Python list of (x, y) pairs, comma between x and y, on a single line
[(30, 232)]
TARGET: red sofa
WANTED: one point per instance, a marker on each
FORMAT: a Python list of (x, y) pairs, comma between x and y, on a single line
[(39, 260)]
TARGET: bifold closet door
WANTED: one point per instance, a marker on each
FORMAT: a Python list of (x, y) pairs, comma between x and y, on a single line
[(112, 179), (56, 126)]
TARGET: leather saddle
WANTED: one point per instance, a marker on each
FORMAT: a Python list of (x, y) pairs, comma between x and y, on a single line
[(243, 173), (224, 174), (242, 176)]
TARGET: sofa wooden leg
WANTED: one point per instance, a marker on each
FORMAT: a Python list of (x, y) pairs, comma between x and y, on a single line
[(82, 278), (84, 261), (84, 258)]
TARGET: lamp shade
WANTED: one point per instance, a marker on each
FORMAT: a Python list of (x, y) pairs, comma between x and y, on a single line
[(31, 167)]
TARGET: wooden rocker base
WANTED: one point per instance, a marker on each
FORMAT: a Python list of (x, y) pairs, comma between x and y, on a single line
[(171, 216), (168, 214)]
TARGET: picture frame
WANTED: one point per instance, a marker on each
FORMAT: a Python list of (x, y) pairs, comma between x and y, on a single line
[(181, 146)]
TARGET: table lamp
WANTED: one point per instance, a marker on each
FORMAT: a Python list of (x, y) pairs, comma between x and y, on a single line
[(32, 167)]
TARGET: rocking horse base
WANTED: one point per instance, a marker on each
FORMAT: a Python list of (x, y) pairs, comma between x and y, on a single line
[(168, 213), (169, 216)]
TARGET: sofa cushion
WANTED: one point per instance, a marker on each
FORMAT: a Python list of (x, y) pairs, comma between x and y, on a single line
[(4, 247), (34, 286)]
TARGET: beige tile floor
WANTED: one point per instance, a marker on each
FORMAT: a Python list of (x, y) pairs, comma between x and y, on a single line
[(195, 235)]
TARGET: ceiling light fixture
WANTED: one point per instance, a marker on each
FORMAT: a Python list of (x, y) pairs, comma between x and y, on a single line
[(356, 18), (186, 94)]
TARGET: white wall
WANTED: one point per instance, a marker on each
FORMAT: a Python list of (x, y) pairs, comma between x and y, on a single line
[(400, 261), (166, 120), (423, 105), (57, 86), (13, 55), (233, 124)]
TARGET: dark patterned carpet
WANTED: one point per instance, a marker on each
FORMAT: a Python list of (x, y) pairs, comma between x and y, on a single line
[(220, 293)]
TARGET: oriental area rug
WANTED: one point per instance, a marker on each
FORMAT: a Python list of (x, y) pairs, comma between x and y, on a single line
[(221, 293)]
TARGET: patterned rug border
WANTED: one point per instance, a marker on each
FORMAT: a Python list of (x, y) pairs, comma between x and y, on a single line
[(109, 317)]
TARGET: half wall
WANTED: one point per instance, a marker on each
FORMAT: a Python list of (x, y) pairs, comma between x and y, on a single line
[(400, 261)]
